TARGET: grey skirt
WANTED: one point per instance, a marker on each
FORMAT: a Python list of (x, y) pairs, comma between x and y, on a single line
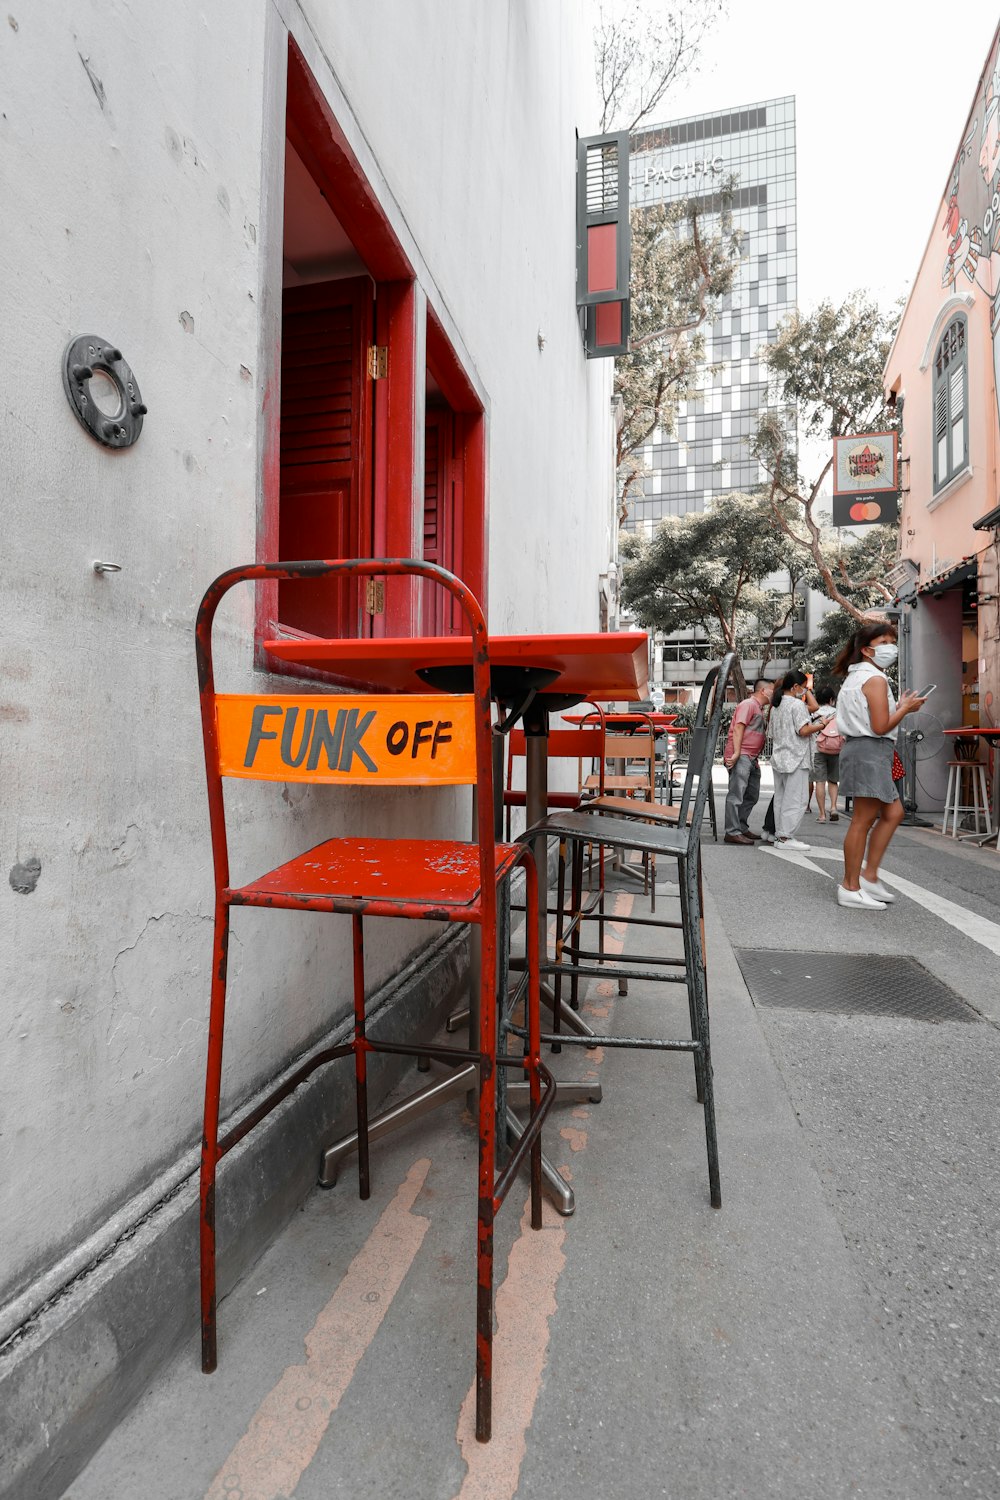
[(866, 769)]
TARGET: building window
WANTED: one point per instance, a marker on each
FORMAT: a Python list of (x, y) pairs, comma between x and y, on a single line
[(951, 421), (342, 460)]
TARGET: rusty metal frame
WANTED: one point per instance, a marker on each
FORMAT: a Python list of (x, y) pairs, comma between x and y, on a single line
[(481, 911)]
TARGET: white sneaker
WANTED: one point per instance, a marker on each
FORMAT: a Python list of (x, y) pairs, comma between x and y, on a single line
[(876, 888), (767, 838), (858, 898), (791, 844)]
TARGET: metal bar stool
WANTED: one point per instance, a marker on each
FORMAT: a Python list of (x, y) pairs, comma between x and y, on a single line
[(623, 830), (967, 794), (394, 740)]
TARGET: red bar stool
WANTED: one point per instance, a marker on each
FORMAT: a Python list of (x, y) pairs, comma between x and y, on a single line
[(383, 740)]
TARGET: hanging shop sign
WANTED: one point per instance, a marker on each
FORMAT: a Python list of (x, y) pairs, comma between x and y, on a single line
[(865, 479), (411, 740)]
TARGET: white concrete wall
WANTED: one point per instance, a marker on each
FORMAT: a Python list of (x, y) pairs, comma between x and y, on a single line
[(138, 157)]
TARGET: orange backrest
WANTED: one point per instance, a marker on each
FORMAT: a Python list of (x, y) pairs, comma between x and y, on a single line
[(348, 739)]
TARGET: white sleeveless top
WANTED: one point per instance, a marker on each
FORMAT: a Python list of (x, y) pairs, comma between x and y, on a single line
[(853, 715)]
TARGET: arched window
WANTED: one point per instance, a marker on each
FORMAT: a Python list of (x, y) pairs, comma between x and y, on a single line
[(950, 396)]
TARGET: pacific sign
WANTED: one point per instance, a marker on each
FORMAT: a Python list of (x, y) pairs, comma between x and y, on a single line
[(408, 740), (681, 170)]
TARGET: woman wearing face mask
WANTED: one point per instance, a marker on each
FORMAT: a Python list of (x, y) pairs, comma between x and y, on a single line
[(791, 729), (868, 715)]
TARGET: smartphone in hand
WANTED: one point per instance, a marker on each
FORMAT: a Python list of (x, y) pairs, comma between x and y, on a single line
[(926, 692)]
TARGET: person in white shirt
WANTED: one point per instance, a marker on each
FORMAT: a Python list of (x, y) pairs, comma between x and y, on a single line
[(791, 729), (868, 715)]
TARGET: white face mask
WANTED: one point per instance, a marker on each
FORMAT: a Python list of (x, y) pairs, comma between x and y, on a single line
[(884, 656)]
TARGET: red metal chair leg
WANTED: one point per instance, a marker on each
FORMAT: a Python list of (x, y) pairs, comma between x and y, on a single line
[(361, 1057), (487, 1178), (210, 1138)]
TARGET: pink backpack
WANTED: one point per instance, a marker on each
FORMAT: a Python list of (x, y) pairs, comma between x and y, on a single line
[(829, 741)]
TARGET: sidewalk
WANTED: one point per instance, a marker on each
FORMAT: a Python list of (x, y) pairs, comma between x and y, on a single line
[(831, 1331)]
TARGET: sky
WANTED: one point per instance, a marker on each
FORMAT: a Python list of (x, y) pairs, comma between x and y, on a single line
[(882, 92)]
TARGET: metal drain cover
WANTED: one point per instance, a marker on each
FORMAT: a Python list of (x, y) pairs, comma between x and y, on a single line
[(852, 984)]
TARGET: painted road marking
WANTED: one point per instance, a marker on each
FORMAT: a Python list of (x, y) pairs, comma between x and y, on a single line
[(288, 1426), (980, 929), (525, 1305)]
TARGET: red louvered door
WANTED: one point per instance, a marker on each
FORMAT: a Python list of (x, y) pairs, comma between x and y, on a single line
[(326, 484), (442, 515)]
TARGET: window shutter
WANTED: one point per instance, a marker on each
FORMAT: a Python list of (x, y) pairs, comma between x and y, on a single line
[(957, 417), (318, 394), (950, 426), (325, 483), (603, 245), (443, 492), (941, 413), (607, 329), (432, 493)]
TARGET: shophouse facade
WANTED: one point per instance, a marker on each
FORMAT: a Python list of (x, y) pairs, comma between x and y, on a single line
[(202, 189), (943, 373), (754, 149)]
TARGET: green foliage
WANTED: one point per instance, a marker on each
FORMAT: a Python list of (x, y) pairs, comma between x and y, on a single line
[(706, 570), (686, 713), (835, 630), (827, 365)]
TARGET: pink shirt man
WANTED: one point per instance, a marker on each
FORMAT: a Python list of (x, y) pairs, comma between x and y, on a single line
[(749, 713)]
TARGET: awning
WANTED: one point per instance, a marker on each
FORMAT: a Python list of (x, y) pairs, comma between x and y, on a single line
[(951, 576)]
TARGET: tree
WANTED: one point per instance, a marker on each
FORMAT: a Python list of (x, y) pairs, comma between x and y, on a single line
[(642, 51), (863, 558), (828, 366), (706, 570), (681, 271)]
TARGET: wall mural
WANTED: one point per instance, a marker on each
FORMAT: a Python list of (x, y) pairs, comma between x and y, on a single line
[(971, 224)]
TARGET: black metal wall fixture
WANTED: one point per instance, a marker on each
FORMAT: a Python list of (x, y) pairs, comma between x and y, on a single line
[(102, 390)]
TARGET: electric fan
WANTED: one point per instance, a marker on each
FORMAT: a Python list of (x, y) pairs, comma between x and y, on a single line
[(921, 738)]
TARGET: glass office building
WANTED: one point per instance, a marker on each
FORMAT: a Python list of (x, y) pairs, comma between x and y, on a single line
[(755, 147)]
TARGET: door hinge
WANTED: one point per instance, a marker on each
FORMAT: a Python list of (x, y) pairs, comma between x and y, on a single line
[(375, 596), (378, 361)]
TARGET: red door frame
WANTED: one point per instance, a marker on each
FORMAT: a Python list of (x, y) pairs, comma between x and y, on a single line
[(470, 453), (314, 132)]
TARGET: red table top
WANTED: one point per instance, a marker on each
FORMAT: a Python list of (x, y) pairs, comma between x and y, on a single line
[(601, 665), (967, 729)]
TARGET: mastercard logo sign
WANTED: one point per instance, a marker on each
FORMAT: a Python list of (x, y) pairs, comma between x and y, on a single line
[(866, 510)]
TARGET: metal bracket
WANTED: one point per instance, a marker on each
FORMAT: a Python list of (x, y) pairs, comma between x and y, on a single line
[(113, 415)]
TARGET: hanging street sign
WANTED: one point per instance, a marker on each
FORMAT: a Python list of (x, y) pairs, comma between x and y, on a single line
[(865, 482)]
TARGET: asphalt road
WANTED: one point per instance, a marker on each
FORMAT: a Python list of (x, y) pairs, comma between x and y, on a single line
[(900, 1118)]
